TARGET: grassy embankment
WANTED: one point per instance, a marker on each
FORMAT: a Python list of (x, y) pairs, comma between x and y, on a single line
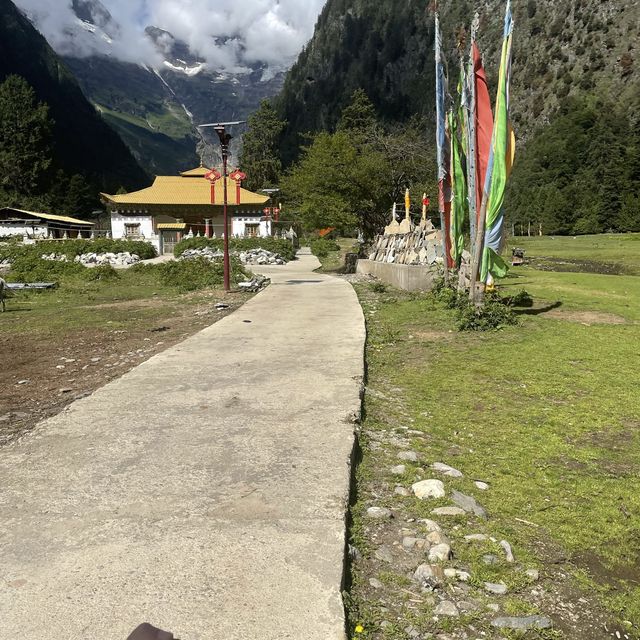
[(547, 413)]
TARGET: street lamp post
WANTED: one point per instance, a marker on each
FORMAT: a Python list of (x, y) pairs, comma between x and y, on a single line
[(225, 139)]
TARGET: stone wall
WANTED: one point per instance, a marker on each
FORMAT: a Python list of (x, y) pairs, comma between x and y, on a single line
[(422, 246)]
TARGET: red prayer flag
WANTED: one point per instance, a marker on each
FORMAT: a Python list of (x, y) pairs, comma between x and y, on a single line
[(484, 125)]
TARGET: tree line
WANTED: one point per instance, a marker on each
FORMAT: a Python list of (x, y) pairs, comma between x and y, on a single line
[(347, 178), (30, 177)]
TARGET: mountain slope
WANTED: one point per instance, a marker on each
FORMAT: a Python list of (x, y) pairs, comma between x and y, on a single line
[(562, 48), (84, 143)]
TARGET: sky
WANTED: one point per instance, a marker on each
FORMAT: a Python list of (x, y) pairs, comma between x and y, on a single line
[(227, 34)]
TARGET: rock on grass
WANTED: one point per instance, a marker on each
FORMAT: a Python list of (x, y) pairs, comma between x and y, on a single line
[(429, 489), (468, 503), (445, 469), (379, 513), (523, 624)]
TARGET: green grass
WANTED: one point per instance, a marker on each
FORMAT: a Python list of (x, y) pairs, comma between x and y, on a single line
[(80, 302), (333, 262), (546, 412), (172, 123), (622, 249)]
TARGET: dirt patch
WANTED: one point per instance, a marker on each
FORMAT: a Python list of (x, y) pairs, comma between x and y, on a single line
[(585, 317), (43, 373), (576, 612), (565, 265)]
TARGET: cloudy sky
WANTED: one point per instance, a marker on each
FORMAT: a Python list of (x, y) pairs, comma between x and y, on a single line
[(228, 34)]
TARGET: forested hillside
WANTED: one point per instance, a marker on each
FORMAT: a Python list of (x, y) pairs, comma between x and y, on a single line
[(85, 153), (575, 88)]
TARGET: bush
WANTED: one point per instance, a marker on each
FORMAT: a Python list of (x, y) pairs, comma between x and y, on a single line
[(73, 248), (276, 245), (320, 247), (191, 275), (103, 272), (493, 314), (28, 268)]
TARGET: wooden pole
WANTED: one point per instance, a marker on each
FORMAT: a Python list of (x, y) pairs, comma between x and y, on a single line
[(477, 254)]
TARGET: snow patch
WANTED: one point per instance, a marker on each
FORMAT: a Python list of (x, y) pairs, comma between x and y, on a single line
[(189, 71)]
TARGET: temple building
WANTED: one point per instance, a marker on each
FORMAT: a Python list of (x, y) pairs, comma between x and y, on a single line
[(189, 204), (34, 225)]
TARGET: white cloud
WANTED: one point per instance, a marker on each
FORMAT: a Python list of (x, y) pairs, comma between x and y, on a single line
[(228, 34)]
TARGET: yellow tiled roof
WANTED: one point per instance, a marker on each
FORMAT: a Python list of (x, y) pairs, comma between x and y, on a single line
[(172, 226), (51, 217), (193, 173), (176, 190)]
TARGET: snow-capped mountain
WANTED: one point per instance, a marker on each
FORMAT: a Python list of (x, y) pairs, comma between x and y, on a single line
[(156, 93)]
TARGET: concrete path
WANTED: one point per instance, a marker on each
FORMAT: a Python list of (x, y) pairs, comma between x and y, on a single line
[(204, 491)]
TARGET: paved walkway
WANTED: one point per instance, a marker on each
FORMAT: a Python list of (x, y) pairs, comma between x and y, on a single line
[(204, 491)]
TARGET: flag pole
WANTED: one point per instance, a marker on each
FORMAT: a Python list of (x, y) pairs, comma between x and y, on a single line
[(470, 112), (441, 146)]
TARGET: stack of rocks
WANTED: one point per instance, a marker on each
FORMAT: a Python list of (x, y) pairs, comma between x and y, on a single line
[(261, 256), (255, 284), (123, 259), (251, 256), (420, 247), (206, 252), (54, 257)]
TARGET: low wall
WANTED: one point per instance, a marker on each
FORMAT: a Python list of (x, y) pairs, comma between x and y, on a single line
[(401, 276)]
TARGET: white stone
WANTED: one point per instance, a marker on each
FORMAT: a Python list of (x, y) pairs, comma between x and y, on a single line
[(429, 489), (409, 456), (439, 553), (483, 486), (446, 608), (401, 491), (446, 470), (533, 574), (449, 511), (379, 513), (450, 572), (399, 470), (498, 589), (430, 525)]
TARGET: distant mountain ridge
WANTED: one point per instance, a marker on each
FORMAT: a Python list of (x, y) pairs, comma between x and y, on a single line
[(83, 143), (155, 108), (561, 48)]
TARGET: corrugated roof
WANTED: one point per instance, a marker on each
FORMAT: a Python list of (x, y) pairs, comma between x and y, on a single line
[(177, 190), (50, 216)]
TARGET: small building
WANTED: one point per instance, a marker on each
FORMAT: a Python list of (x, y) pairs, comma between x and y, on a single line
[(177, 206), (34, 225)]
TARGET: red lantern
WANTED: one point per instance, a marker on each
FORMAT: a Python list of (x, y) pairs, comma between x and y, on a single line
[(213, 175), (238, 176)]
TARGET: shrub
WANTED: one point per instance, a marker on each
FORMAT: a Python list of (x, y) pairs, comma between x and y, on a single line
[(191, 275), (29, 268), (276, 245), (73, 248), (493, 314), (103, 272), (320, 247)]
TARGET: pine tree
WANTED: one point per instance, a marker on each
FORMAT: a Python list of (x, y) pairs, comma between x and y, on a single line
[(25, 139), (260, 158)]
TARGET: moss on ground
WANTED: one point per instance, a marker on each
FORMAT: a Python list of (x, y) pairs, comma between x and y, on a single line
[(547, 413)]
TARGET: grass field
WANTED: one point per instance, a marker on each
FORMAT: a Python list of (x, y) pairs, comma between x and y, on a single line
[(605, 249), (61, 344), (547, 413)]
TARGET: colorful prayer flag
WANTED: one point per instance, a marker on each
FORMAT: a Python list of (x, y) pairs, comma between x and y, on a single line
[(500, 161), (444, 177)]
